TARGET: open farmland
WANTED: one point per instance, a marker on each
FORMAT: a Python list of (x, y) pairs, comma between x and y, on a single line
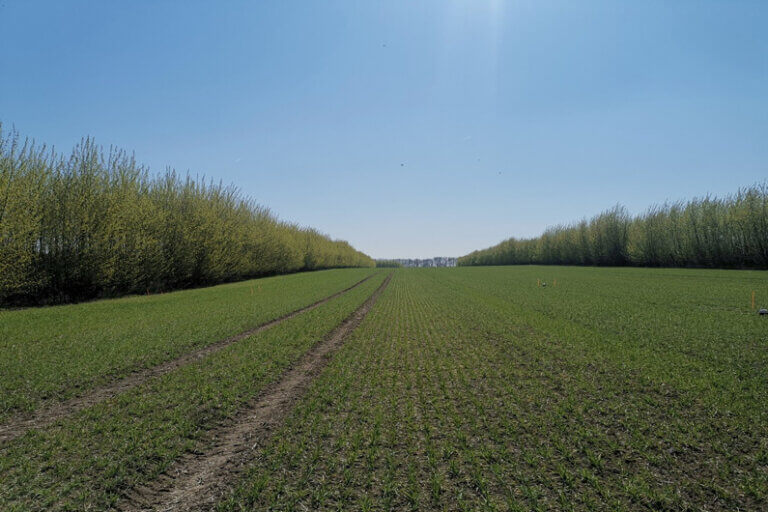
[(415, 389), (60, 352), (315, 256), (618, 389), (91, 458)]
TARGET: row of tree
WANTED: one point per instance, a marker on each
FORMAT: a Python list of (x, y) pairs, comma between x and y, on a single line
[(729, 232), (99, 224), (388, 264)]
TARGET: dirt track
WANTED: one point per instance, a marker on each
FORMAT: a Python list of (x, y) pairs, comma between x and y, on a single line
[(198, 480), (49, 414)]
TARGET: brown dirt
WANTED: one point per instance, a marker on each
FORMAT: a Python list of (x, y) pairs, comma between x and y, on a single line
[(198, 480), (49, 414)]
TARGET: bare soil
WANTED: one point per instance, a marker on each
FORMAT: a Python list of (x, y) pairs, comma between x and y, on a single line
[(198, 480)]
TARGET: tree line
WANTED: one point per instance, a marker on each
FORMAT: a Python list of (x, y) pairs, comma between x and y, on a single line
[(96, 223), (727, 232), (388, 264)]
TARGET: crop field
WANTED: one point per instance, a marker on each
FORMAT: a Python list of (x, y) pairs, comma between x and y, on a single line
[(59, 352), (471, 388)]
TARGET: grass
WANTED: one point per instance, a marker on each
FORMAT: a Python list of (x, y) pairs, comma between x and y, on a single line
[(86, 462), (473, 389), (54, 353), (463, 389)]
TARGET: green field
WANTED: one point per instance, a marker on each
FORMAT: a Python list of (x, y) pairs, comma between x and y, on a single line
[(61, 351), (461, 389), (472, 389)]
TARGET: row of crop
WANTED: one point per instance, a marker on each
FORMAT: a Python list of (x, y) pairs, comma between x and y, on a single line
[(708, 232), (87, 461), (98, 223), (483, 395), (59, 353)]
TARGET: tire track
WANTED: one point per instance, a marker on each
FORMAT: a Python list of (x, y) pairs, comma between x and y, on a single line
[(49, 414), (198, 480)]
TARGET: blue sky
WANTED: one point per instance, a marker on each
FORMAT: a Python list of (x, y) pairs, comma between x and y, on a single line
[(410, 129)]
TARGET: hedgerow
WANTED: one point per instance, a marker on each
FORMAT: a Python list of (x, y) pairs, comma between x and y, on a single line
[(728, 232), (99, 224)]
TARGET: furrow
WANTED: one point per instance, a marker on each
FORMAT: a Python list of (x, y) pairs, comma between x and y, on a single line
[(198, 480), (47, 415)]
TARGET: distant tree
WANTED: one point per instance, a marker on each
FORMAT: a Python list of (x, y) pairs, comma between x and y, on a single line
[(728, 232), (388, 264)]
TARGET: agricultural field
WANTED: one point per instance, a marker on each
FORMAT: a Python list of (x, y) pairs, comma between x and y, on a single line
[(474, 389), (470, 388), (54, 353)]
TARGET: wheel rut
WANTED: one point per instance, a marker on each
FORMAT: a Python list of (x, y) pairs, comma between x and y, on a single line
[(198, 480), (49, 414)]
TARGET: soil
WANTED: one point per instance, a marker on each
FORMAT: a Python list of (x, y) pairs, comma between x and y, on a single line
[(200, 479)]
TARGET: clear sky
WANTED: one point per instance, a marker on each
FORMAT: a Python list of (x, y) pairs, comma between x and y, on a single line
[(408, 128)]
